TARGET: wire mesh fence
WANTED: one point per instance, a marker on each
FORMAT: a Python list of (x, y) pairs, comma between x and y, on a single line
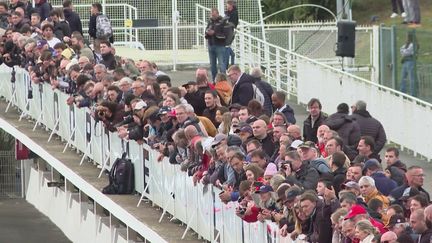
[(422, 61), (10, 176)]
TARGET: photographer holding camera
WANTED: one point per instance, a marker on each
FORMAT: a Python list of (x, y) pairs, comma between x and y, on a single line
[(110, 114)]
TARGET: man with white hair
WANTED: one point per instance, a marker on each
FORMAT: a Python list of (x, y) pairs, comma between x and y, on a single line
[(369, 191), (321, 143)]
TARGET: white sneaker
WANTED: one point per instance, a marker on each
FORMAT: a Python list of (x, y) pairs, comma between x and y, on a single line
[(394, 15), (403, 15)]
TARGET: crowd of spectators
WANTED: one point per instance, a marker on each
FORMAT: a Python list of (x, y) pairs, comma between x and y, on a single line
[(322, 182)]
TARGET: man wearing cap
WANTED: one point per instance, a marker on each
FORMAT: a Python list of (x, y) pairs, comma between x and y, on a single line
[(260, 133), (415, 179), (223, 173), (309, 154), (291, 197), (279, 104), (358, 213), (384, 184), (245, 132), (305, 174)]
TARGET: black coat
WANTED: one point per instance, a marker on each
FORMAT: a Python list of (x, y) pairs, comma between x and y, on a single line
[(74, 20), (43, 8), (289, 114), (320, 229), (92, 26), (267, 90), (339, 177), (307, 176), (243, 90), (218, 38), (109, 61), (61, 29), (397, 172), (197, 100), (369, 126), (346, 127), (233, 16), (309, 132)]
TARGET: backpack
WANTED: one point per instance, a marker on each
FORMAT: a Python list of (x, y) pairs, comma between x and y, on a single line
[(103, 27), (121, 177), (257, 94)]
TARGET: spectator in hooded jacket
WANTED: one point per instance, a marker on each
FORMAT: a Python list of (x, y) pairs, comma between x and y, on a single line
[(369, 126), (345, 126), (279, 104), (265, 89), (373, 169), (315, 119), (43, 8), (72, 17)]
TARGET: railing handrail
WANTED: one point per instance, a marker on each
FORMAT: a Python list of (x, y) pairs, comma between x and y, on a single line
[(409, 97), (107, 5)]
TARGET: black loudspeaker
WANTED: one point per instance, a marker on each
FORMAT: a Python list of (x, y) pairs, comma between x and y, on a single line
[(345, 46)]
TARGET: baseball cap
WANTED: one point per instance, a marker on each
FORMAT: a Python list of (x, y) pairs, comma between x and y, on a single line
[(370, 163), (251, 119), (307, 144), (292, 193), (296, 143), (218, 139), (264, 189), (233, 140), (395, 219), (164, 110), (246, 128), (41, 43), (140, 105), (350, 184), (189, 83), (281, 191), (355, 210)]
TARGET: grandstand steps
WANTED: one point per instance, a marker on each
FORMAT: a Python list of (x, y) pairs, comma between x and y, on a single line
[(147, 214)]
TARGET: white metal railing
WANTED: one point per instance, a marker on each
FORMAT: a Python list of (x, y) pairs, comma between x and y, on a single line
[(199, 207), (406, 119), (118, 14)]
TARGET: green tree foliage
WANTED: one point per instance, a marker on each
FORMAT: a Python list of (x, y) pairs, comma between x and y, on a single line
[(7, 142), (298, 14)]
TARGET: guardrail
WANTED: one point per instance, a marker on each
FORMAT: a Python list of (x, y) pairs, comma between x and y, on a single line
[(199, 207), (407, 120)]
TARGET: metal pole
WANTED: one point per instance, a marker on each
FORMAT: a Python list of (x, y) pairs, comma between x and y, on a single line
[(103, 6)]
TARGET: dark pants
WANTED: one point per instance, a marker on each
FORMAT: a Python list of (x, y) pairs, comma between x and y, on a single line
[(396, 4)]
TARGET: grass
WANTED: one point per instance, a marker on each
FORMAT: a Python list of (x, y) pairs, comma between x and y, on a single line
[(364, 10)]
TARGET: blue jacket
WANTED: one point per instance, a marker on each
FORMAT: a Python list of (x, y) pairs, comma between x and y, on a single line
[(383, 184)]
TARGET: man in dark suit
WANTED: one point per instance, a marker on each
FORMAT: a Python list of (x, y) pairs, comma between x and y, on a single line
[(242, 86)]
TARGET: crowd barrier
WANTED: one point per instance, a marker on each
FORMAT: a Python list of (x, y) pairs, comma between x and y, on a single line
[(197, 206)]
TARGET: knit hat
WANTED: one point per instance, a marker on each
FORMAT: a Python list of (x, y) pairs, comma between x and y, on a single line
[(270, 170)]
